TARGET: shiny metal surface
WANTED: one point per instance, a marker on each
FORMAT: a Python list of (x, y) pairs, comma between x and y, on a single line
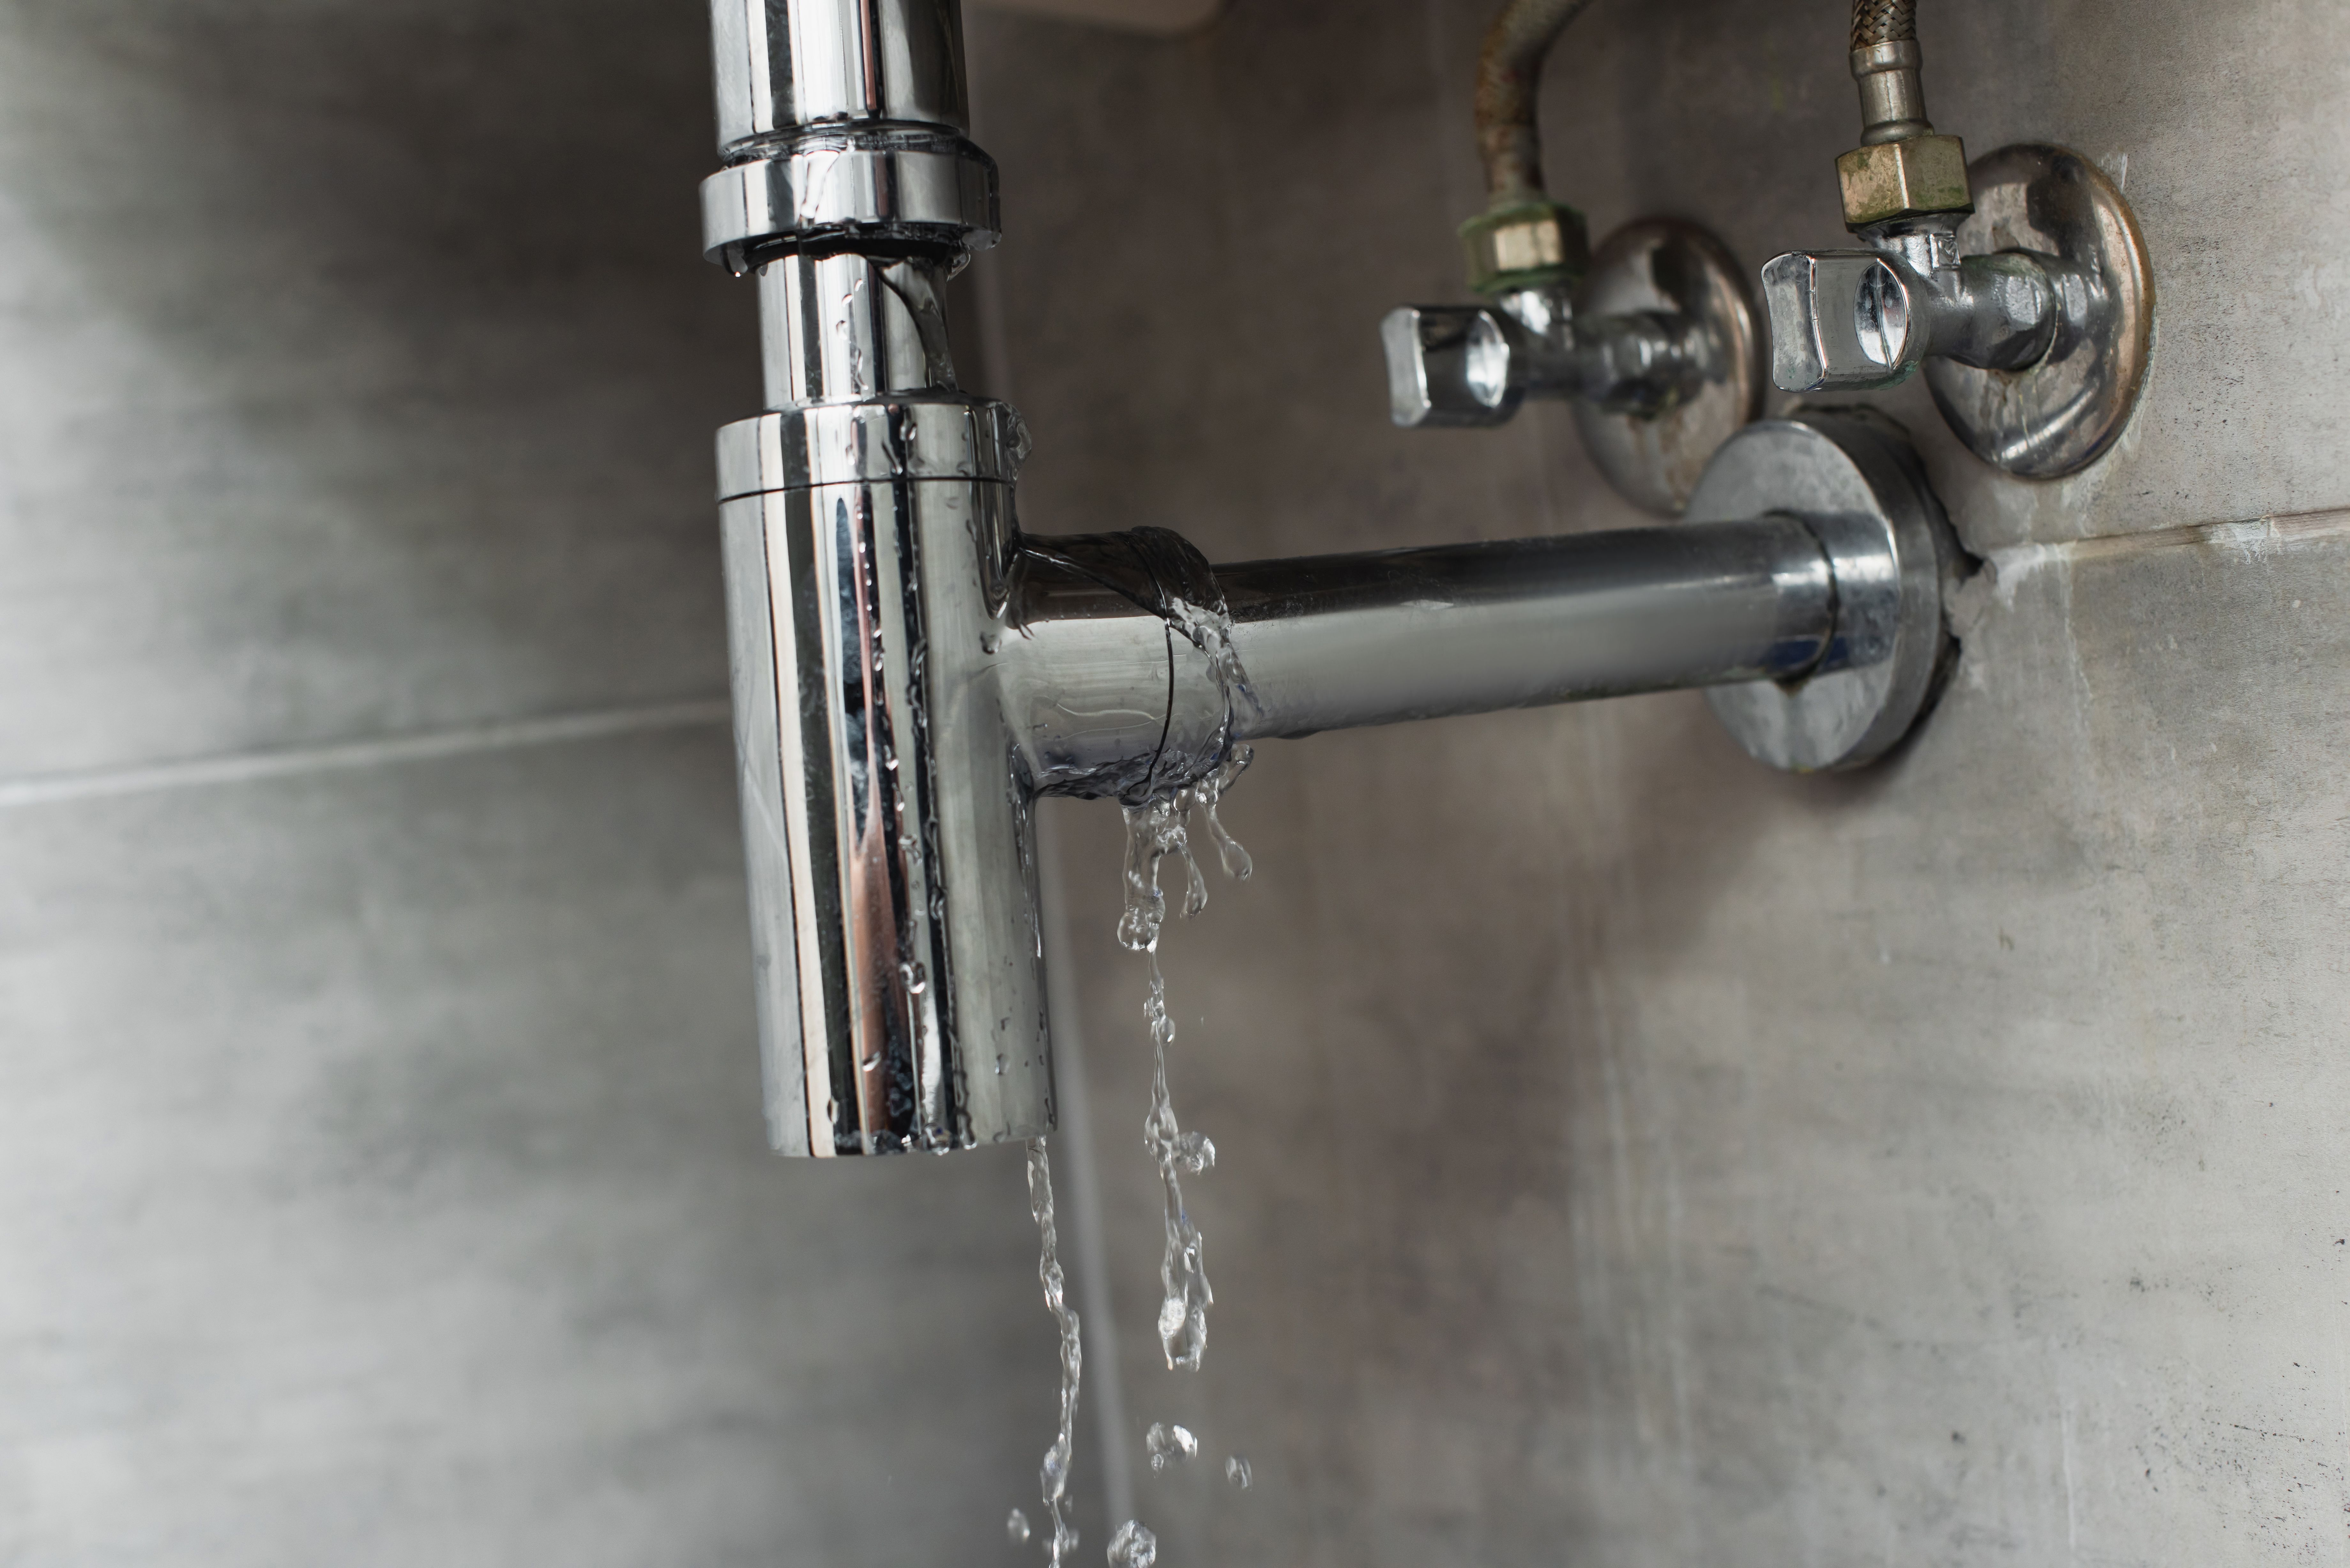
[(849, 328), (1865, 320), (782, 65), (911, 672), (2061, 413), (1660, 348), (1654, 446), (1109, 686), (887, 840), (940, 438), (1892, 94), (1862, 491), (1334, 642), (2019, 283), (841, 123), (866, 520), (1450, 366), (896, 188)]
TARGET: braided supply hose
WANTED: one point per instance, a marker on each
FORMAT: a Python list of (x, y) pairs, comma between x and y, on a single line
[(1509, 76), (1883, 22)]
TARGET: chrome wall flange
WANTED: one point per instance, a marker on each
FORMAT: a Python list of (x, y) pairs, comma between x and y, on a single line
[(2060, 415), (1864, 494), (1665, 267)]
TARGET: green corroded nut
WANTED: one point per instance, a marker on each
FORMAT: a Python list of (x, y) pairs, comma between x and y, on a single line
[(1527, 244), (1905, 179)]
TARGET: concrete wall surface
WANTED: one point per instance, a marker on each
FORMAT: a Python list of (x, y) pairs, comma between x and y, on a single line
[(1629, 1156), (382, 1178)]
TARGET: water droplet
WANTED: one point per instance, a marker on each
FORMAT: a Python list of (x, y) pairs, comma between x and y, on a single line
[(1133, 1547), (1015, 1528), (1170, 1317), (1236, 1471), (999, 1063), (1195, 1152), (1168, 1444), (872, 1062)]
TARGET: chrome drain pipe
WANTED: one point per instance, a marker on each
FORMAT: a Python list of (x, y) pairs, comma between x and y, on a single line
[(911, 670)]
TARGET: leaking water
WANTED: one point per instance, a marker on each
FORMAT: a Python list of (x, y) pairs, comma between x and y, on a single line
[(1015, 1528), (1133, 1547), (1237, 1472), (1168, 1444), (1055, 1472), (1154, 830), (1158, 824)]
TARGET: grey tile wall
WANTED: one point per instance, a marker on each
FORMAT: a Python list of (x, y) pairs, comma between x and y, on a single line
[(384, 1183), (381, 1167), (362, 370)]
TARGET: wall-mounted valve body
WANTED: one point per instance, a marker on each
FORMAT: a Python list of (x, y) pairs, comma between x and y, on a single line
[(2020, 285), (911, 670), (1655, 339)]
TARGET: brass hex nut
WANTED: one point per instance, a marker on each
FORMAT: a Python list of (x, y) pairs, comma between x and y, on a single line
[(1904, 180), (1532, 245)]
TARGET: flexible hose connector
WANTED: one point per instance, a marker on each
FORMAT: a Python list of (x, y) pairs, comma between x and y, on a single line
[(1902, 170), (1509, 76), (1885, 61), (1883, 22)]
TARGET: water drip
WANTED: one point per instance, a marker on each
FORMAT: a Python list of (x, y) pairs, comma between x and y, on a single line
[(1133, 1547), (1055, 1472), (1168, 1444), (1156, 829)]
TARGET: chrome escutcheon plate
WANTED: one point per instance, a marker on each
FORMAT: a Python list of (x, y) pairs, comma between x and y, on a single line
[(1855, 482), (2061, 414), (1667, 266)]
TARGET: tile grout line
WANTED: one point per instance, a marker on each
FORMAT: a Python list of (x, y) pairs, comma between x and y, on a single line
[(2246, 542), (428, 745)]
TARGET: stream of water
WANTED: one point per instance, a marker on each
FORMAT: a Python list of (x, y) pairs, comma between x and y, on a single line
[(1054, 1472), (1156, 828)]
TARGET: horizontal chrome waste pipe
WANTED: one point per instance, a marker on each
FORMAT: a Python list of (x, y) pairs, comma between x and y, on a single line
[(911, 670), (1113, 693)]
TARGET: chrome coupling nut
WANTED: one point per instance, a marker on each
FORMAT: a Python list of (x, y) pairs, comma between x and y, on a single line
[(1526, 244)]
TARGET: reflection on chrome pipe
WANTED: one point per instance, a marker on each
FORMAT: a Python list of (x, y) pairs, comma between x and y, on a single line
[(910, 673), (1334, 641)]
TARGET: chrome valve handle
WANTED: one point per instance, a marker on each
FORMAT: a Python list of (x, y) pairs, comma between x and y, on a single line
[(1659, 347), (1857, 320)]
